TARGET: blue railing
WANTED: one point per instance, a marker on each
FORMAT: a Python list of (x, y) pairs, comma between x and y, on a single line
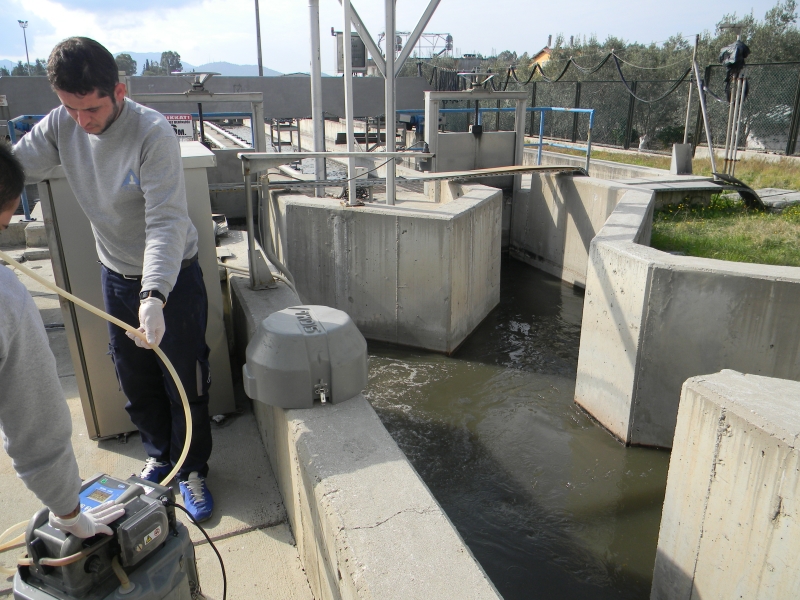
[(23, 123), (587, 148)]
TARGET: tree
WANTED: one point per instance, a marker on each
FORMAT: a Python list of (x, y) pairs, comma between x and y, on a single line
[(152, 69), (39, 68), (20, 70), (170, 62), (4, 72), (126, 63)]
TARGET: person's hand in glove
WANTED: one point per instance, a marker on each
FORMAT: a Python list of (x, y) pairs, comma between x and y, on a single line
[(89, 523), (151, 323)]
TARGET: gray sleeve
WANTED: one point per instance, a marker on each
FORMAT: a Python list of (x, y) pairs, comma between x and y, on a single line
[(34, 417), (38, 149), (166, 214)]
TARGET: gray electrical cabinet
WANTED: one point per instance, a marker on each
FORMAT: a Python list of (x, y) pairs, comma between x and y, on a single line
[(77, 270)]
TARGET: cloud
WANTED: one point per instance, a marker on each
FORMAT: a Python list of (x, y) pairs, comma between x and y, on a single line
[(12, 42), (118, 6)]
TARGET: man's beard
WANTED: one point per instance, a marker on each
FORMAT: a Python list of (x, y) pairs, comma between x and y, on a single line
[(113, 116)]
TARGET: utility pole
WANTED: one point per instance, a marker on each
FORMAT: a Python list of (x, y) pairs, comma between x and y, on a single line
[(258, 41), (24, 25)]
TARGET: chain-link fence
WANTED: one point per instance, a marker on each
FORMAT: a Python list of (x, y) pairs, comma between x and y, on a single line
[(770, 114)]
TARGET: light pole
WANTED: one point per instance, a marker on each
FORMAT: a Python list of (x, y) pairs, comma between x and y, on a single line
[(258, 41), (24, 25)]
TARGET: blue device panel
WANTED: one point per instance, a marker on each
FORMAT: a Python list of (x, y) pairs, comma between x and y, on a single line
[(103, 490)]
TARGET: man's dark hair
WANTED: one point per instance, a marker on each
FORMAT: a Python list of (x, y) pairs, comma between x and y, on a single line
[(12, 178), (79, 65)]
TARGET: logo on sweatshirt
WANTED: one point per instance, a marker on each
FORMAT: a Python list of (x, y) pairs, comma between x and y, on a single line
[(131, 182)]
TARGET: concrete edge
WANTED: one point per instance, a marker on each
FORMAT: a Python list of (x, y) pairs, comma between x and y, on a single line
[(744, 395), (628, 230), (728, 460), (619, 276), (365, 524)]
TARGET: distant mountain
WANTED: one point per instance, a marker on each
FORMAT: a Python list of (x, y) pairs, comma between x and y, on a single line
[(223, 68), (8, 64)]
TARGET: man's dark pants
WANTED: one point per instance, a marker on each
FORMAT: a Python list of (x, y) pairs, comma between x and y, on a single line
[(154, 403)]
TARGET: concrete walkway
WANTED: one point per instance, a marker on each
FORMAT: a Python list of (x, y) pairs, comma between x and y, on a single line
[(249, 526)]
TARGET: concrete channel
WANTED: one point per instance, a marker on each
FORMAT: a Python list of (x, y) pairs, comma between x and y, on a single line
[(321, 503)]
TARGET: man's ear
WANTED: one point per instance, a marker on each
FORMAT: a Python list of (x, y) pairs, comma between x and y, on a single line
[(119, 92)]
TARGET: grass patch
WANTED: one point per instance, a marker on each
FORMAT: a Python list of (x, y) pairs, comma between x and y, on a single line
[(757, 173), (727, 230)]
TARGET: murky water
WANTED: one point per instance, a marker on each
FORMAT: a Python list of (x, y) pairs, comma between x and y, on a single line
[(550, 504)]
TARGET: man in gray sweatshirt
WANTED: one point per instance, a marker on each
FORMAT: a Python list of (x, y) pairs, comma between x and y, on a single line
[(34, 419), (123, 163)]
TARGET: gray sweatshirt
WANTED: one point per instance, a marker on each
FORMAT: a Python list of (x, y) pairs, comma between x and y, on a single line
[(34, 418), (129, 182)]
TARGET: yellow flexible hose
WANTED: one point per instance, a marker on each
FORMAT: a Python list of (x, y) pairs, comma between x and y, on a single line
[(7, 532), (124, 580), (17, 542), (74, 299)]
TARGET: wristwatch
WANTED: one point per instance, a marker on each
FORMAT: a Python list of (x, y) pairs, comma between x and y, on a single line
[(145, 294)]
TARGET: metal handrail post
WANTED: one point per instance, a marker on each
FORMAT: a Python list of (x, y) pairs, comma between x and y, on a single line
[(389, 93), (589, 140), (317, 114), (251, 237), (348, 102), (24, 195), (541, 136)]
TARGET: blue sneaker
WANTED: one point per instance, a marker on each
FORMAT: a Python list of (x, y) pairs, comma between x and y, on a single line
[(154, 470), (196, 497)]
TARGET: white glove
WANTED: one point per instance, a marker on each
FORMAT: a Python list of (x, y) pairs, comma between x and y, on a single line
[(91, 522), (151, 323)]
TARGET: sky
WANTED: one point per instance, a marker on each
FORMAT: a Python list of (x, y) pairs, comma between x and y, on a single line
[(224, 30)]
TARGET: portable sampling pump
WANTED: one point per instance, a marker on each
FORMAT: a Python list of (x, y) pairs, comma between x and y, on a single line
[(150, 555)]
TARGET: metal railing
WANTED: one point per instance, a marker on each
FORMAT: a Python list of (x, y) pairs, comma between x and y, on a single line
[(587, 148), (23, 123), (542, 110)]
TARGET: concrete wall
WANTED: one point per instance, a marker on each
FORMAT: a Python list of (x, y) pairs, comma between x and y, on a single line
[(554, 219), (284, 97), (417, 273), (651, 320), (602, 169), (365, 525), (731, 521)]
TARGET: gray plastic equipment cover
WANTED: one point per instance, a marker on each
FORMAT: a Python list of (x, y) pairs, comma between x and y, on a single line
[(302, 353)]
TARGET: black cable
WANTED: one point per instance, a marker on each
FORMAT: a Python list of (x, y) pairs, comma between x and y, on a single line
[(632, 93), (167, 502)]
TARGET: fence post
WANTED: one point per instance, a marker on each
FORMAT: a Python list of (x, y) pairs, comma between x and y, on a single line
[(626, 143), (533, 103), (699, 123), (792, 142), (575, 117)]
